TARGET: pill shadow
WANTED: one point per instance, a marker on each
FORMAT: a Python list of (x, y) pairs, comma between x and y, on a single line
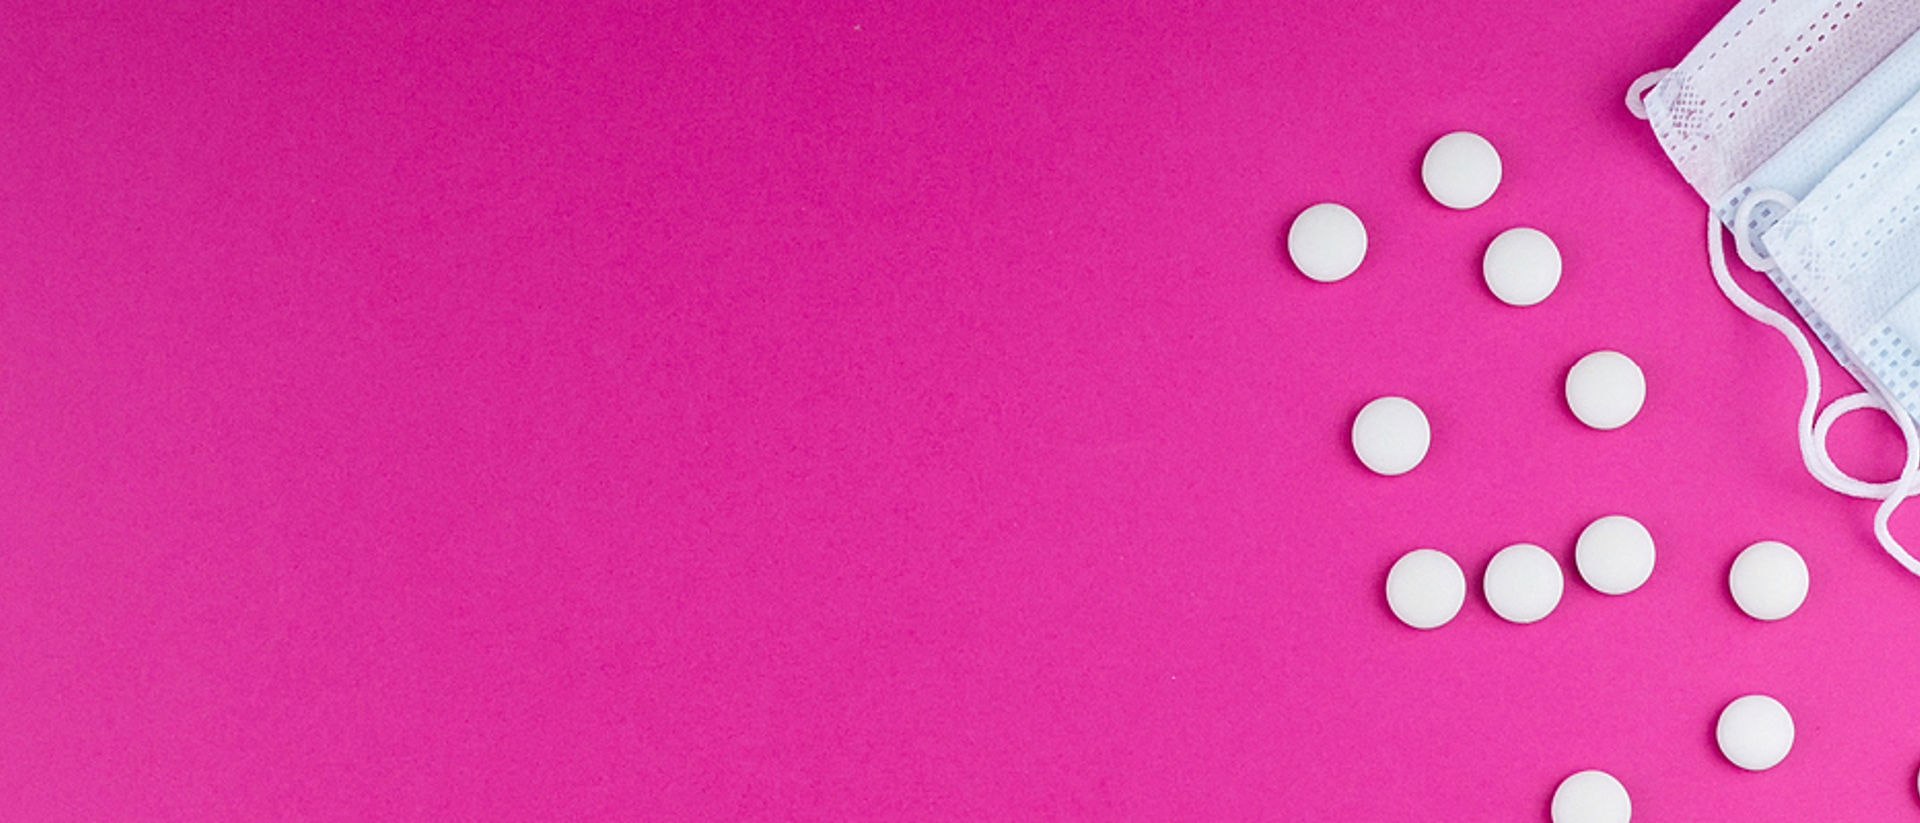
[(1915, 771), (1344, 439), (1556, 394), (1711, 730), (1280, 253), (1726, 587), (1380, 591)]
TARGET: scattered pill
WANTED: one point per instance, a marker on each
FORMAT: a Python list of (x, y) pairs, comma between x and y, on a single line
[(1523, 583), (1522, 266), (1391, 435), (1768, 580), (1606, 389), (1461, 170), (1614, 554), (1425, 588), (1592, 796), (1755, 732), (1327, 242)]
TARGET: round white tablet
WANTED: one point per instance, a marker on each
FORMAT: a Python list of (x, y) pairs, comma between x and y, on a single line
[(1327, 242), (1614, 554), (1461, 170), (1592, 796), (1606, 389), (1522, 266), (1755, 732), (1523, 583), (1391, 436), (1768, 580), (1425, 588)]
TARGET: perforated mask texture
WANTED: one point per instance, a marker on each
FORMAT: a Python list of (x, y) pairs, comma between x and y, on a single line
[(1851, 251), (1766, 71)]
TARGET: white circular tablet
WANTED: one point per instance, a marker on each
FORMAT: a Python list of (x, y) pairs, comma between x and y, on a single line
[(1425, 588), (1391, 436), (1606, 389), (1768, 580), (1522, 266), (1614, 554), (1523, 583), (1327, 242), (1461, 170), (1592, 796), (1755, 732)]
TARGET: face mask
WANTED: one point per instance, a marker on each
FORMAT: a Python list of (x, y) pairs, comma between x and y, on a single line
[(1799, 123)]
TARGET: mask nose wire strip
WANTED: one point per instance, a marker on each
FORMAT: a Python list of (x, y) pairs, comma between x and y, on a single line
[(1810, 451), (1637, 91)]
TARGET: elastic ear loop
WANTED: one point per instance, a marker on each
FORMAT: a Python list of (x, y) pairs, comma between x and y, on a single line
[(1903, 488), (1717, 257), (1812, 452), (1745, 228), (1637, 91), (1811, 434), (1845, 483), (1814, 442)]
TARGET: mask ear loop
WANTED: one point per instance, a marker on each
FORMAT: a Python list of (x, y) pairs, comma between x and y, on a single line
[(1903, 488), (1845, 483), (1745, 227), (1810, 455), (1812, 452), (1814, 444), (1637, 91)]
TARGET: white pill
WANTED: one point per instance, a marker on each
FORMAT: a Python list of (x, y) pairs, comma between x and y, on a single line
[(1327, 242), (1614, 554), (1592, 796), (1755, 732), (1522, 266), (1391, 436), (1768, 580), (1425, 588), (1606, 389), (1523, 583), (1461, 170)]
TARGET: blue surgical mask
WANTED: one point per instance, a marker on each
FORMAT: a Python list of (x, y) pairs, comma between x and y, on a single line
[(1799, 123)]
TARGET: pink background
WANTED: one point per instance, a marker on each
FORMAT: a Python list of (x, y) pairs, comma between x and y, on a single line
[(863, 411)]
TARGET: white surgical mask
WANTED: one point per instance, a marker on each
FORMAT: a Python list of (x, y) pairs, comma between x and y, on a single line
[(1798, 121)]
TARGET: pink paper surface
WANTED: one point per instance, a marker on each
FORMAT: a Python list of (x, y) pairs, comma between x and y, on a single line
[(877, 412)]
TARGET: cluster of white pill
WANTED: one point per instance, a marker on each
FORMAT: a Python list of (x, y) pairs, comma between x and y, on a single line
[(1522, 267), (1523, 583), (1768, 582), (1614, 555)]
